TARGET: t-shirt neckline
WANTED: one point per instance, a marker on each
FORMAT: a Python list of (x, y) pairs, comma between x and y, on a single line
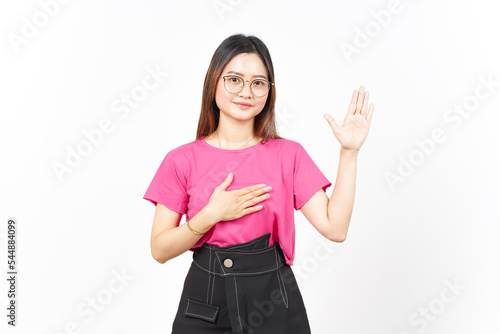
[(205, 143)]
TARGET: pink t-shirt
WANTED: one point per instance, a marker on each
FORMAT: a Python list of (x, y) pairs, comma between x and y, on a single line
[(189, 174)]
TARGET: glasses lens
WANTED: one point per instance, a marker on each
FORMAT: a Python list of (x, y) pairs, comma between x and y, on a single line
[(233, 84), (260, 87)]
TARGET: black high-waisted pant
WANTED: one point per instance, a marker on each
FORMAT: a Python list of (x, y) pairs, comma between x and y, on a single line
[(241, 289)]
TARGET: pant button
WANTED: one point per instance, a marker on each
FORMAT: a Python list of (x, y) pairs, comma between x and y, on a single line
[(228, 263)]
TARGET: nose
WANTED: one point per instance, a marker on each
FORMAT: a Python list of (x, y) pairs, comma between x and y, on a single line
[(246, 91)]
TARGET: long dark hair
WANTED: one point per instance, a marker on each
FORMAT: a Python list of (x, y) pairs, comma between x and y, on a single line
[(264, 123)]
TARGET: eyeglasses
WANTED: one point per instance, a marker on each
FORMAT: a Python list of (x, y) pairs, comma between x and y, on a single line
[(234, 84)]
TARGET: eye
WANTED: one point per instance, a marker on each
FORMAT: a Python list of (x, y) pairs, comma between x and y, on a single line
[(234, 79), (259, 83)]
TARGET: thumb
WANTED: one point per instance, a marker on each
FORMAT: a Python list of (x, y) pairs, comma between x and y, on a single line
[(332, 122), (227, 181)]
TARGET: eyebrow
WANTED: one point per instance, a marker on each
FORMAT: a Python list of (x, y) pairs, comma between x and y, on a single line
[(241, 75)]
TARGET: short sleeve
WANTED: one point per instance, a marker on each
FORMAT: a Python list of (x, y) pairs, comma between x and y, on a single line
[(307, 178), (168, 186)]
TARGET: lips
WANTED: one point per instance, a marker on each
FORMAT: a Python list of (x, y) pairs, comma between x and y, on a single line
[(243, 104)]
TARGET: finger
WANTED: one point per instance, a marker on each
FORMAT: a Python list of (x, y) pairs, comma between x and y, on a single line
[(260, 198), (253, 198), (226, 182), (361, 95), (251, 209), (332, 122), (370, 113), (352, 105), (260, 191), (365, 104), (250, 189)]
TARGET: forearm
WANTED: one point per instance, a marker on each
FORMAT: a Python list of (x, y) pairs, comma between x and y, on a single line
[(175, 241), (341, 203)]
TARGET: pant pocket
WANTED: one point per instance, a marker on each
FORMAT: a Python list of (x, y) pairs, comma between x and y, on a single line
[(201, 310)]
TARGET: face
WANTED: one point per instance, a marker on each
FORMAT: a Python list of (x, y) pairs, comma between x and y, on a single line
[(243, 105)]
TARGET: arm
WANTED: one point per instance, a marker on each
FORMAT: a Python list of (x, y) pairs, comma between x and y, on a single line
[(169, 240), (331, 217)]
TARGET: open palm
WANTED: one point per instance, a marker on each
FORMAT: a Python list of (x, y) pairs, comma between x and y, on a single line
[(354, 130)]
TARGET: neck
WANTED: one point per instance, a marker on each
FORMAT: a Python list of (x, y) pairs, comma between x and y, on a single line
[(235, 135), (226, 144)]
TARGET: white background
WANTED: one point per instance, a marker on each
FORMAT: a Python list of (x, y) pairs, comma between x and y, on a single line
[(409, 241)]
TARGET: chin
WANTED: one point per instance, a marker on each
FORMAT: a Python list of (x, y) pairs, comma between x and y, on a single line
[(241, 114)]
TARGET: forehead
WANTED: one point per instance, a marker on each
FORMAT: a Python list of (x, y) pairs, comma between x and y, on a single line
[(248, 64)]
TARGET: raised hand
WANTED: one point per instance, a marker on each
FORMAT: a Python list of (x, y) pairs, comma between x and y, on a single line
[(354, 130)]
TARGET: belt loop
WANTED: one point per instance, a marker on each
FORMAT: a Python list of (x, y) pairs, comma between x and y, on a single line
[(209, 272), (210, 259), (276, 256), (212, 263), (212, 274)]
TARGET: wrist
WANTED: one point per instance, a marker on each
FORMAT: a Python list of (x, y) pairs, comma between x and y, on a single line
[(196, 232), (207, 219), (351, 152)]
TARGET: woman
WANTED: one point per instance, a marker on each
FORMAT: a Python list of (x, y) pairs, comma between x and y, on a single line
[(238, 184)]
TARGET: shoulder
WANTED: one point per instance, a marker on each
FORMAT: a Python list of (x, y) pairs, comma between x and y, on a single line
[(284, 149), (184, 149), (181, 149), (181, 156), (284, 143), (287, 147)]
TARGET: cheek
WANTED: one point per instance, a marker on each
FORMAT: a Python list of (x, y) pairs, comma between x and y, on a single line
[(262, 104), (220, 96)]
